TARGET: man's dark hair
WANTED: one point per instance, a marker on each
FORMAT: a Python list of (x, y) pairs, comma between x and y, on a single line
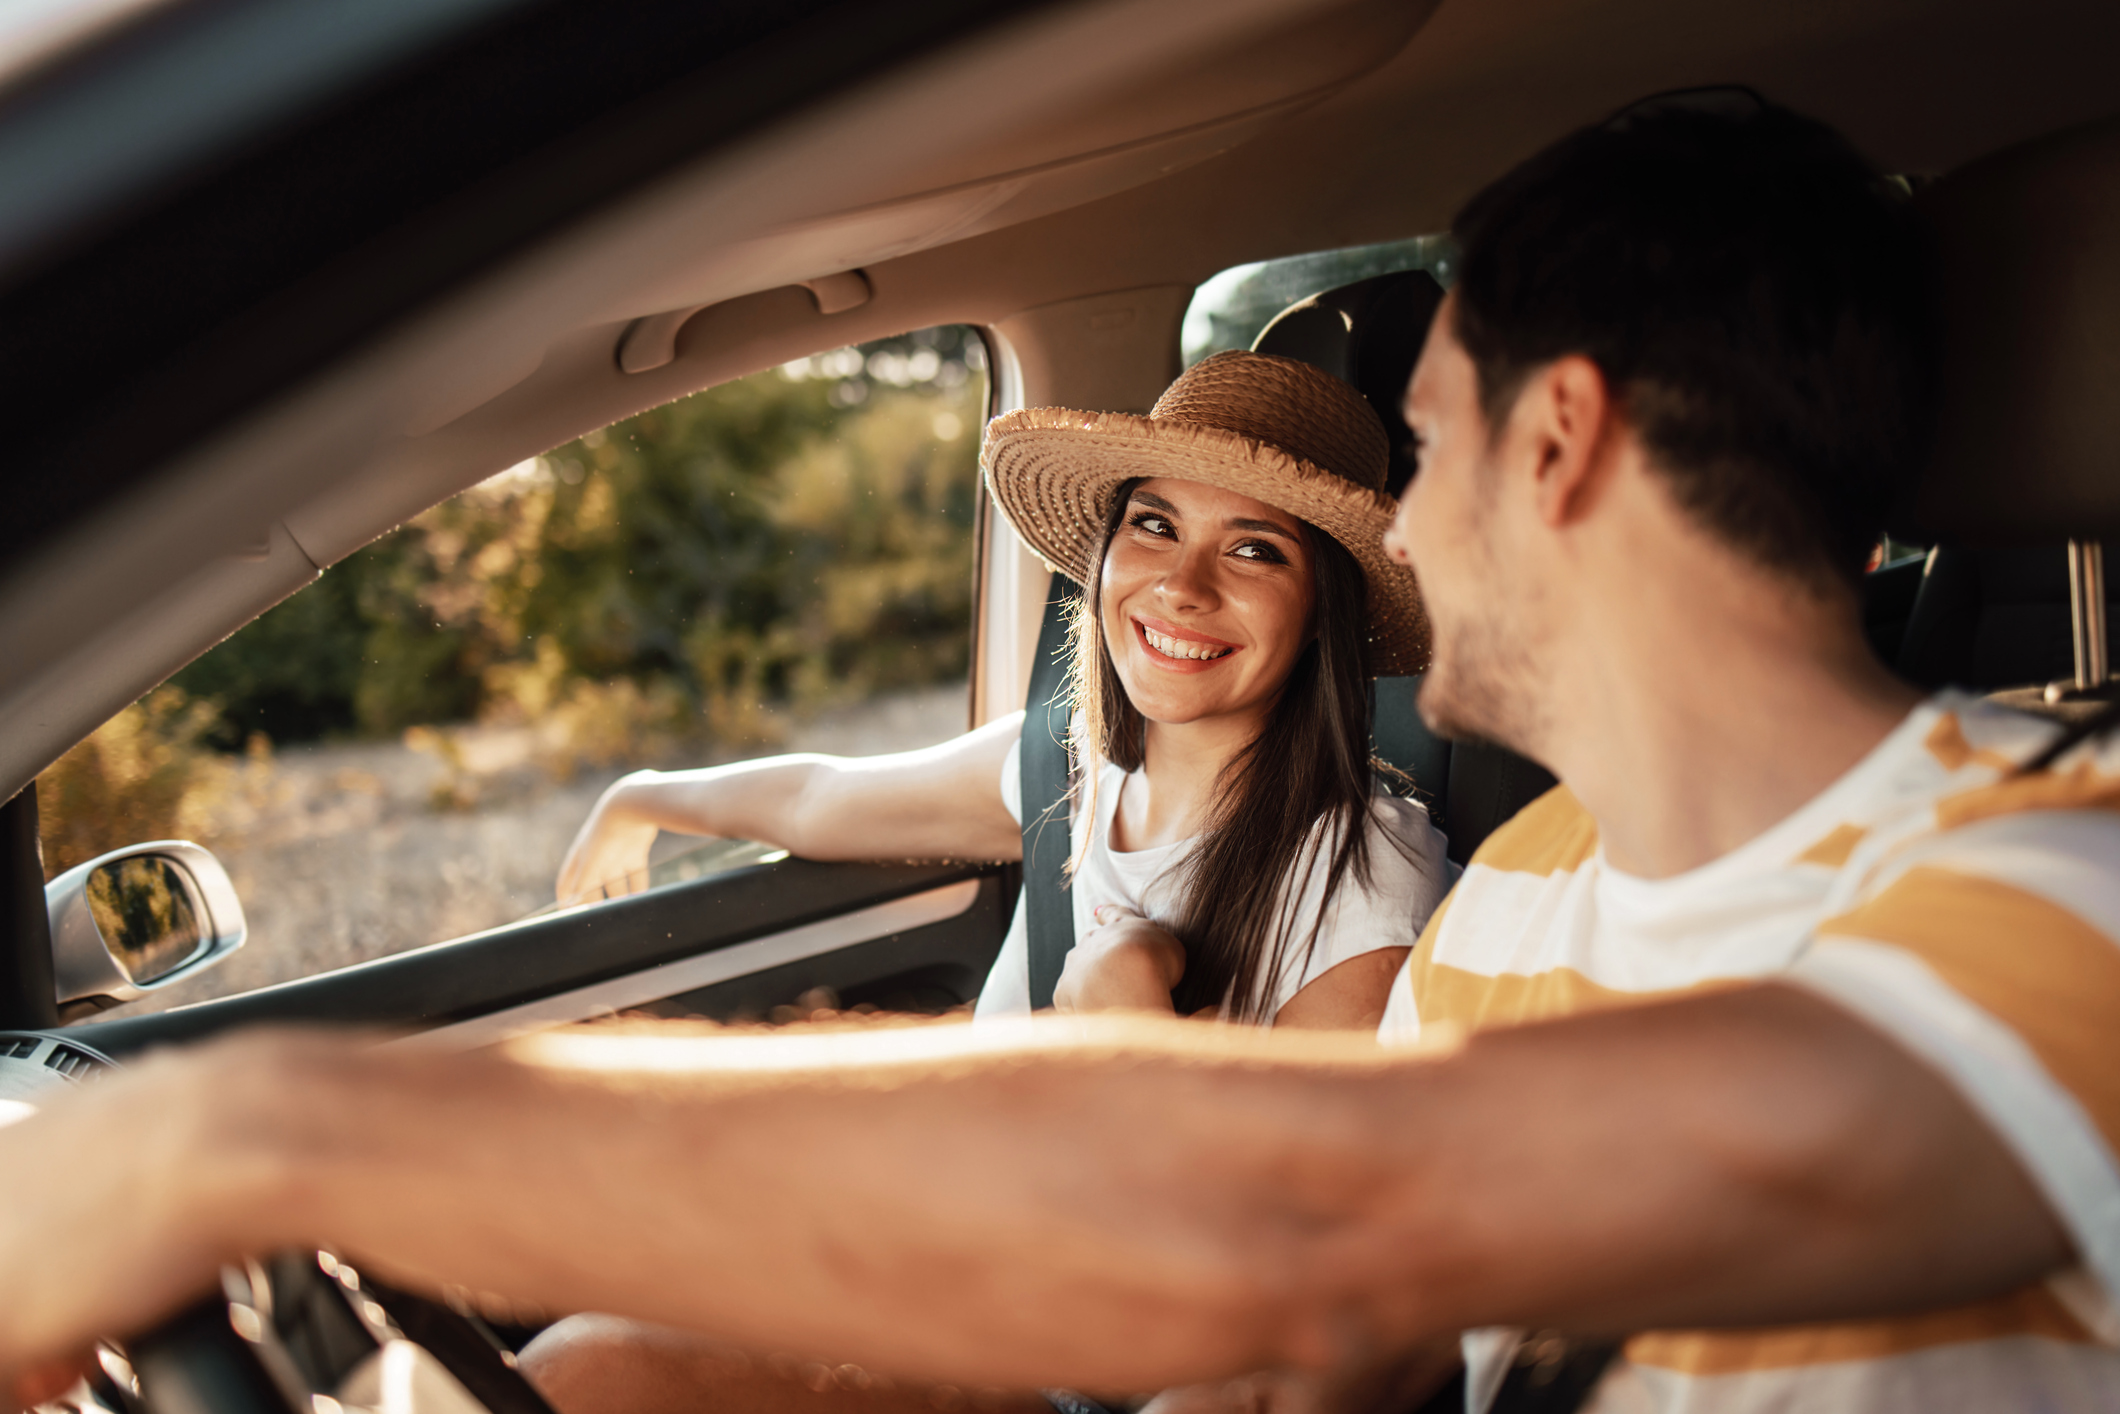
[(1751, 289)]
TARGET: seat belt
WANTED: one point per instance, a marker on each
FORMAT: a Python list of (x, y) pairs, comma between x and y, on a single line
[(1048, 912)]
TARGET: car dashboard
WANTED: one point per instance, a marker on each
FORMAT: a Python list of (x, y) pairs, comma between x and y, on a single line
[(34, 1066)]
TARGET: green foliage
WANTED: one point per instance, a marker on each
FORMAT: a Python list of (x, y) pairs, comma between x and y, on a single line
[(793, 538), (292, 673), (146, 774)]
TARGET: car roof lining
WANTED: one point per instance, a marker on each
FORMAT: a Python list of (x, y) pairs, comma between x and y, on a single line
[(522, 358)]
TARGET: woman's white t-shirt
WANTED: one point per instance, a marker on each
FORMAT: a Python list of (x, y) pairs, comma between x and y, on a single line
[(1409, 874)]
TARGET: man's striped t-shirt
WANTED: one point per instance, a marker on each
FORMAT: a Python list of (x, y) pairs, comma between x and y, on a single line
[(1970, 912)]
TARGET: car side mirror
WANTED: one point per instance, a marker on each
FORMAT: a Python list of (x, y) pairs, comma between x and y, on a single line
[(137, 919)]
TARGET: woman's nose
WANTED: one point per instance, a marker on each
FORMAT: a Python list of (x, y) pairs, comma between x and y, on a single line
[(1189, 582)]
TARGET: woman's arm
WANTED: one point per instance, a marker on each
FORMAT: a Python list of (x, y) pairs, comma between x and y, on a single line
[(1127, 963), (1347, 997), (942, 802)]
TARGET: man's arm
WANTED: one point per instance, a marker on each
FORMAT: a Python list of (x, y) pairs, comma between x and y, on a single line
[(1097, 1202)]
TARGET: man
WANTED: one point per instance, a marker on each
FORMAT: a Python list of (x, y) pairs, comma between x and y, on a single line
[(1819, 1013)]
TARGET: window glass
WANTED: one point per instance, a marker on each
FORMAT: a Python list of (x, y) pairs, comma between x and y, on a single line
[(400, 753), (1229, 310)]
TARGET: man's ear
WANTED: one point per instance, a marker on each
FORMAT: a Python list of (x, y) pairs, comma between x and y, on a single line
[(1566, 413)]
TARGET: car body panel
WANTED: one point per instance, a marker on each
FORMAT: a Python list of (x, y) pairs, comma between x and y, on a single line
[(691, 945)]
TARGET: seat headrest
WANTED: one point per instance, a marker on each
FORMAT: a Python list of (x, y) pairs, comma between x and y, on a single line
[(1369, 334), (2027, 252)]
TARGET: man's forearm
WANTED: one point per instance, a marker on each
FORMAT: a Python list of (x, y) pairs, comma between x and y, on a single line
[(1019, 1211), (1138, 1204), (1098, 1202)]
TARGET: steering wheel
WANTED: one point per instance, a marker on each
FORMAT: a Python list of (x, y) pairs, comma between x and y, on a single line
[(299, 1333), (305, 1333)]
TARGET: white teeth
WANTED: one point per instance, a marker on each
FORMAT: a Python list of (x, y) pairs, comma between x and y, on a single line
[(1178, 647)]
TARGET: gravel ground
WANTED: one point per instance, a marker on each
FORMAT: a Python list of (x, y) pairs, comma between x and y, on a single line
[(353, 852)]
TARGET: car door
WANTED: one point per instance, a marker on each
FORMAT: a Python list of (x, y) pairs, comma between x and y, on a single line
[(256, 237)]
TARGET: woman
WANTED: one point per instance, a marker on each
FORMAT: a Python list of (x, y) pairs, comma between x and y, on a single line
[(1238, 601), (1231, 853)]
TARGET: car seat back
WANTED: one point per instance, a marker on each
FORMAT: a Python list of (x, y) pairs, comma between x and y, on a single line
[(1370, 333), (1991, 617), (1471, 788), (1045, 766), (2025, 252)]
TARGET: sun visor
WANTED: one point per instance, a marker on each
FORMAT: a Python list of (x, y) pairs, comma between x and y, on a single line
[(2027, 250)]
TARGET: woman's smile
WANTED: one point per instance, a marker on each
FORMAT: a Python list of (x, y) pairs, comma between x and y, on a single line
[(1187, 651), (1206, 599)]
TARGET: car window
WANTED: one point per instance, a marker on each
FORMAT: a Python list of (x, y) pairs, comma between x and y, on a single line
[(1230, 310), (400, 753)]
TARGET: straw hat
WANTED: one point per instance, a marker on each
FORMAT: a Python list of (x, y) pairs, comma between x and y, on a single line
[(1273, 429)]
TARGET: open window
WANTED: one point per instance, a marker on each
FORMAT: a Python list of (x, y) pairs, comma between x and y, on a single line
[(392, 762)]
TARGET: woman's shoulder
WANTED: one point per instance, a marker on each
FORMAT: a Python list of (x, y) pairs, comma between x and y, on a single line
[(1406, 831), (1388, 904)]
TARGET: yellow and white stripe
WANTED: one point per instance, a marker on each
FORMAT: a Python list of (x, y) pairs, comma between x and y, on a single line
[(1970, 914)]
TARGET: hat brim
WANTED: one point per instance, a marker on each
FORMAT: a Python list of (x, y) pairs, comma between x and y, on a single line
[(1052, 471)]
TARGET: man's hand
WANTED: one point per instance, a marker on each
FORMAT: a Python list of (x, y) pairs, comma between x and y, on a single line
[(42, 1383), (1125, 963), (116, 1213)]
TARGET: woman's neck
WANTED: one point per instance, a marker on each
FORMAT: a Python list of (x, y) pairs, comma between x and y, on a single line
[(1170, 798)]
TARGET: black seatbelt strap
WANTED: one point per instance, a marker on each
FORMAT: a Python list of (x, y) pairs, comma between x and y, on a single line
[(1048, 913), (1553, 1374)]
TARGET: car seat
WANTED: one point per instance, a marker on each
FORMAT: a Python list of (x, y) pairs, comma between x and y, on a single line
[(2027, 260), (1991, 618), (1888, 595), (1370, 334)]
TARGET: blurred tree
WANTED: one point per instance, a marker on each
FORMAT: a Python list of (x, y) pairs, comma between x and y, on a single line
[(798, 536), (292, 673), (146, 774)]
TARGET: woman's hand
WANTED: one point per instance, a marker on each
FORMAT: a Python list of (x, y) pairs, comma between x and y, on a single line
[(610, 854), (1123, 963)]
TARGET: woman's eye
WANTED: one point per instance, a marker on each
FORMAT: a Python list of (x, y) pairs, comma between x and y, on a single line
[(1261, 551), (1150, 522)]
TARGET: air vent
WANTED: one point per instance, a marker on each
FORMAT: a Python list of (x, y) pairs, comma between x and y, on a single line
[(13, 1046), (70, 1061)]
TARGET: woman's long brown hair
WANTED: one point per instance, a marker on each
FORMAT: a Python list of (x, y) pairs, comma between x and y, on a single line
[(1297, 797)]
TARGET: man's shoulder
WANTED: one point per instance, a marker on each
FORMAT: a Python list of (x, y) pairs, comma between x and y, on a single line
[(2084, 778), (1551, 835), (1987, 809)]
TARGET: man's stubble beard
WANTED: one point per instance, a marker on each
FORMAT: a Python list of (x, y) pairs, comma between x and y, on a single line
[(1482, 682)]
